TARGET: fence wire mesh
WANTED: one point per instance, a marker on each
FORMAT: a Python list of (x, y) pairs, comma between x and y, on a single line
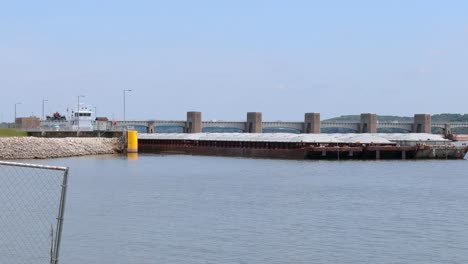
[(32, 199)]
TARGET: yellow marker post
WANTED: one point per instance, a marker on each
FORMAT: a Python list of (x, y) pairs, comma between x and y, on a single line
[(132, 141)]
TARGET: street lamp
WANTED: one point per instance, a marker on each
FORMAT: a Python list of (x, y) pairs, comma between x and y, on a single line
[(43, 100), (15, 112), (77, 113), (124, 100)]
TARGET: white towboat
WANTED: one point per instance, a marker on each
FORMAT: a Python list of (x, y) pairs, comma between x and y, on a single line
[(81, 118)]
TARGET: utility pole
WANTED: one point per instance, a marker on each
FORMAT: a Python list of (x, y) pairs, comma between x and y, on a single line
[(124, 102), (15, 112), (43, 100)]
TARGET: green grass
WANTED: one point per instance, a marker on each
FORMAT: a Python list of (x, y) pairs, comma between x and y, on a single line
[(9, 132)]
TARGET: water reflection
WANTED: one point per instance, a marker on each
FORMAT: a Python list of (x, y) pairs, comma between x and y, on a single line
[(132, 156)]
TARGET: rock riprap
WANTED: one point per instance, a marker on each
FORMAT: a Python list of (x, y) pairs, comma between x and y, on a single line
[(44, 148)]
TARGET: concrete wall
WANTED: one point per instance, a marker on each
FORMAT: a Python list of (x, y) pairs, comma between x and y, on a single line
[(368, 123), (422, 123), (312, 123), (63, 134), (447, 129), (151, 127), (194, 122), (254, 122)]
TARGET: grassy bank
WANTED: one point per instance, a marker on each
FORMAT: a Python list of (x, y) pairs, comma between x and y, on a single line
[(9, 132)]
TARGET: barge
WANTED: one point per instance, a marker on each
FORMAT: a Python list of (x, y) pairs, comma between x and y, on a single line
[(304, 146)]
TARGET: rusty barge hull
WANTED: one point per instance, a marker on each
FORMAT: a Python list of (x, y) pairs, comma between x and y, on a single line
[(299, 151)]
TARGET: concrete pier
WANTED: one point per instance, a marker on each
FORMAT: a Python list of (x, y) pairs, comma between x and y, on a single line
[(254, 122), (368, 123), (193, 122), (447, 129), (312, 123), (151, 127), (422, 123)]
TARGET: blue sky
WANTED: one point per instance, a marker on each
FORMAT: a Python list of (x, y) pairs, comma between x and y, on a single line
[(225, 58)]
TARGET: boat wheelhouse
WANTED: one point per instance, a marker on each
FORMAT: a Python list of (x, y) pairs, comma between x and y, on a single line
[(81, 119)]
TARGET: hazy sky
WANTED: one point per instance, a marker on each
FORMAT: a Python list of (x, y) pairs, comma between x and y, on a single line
[(225, 58)]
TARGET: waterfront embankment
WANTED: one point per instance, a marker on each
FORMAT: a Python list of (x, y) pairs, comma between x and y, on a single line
[(44, 148)]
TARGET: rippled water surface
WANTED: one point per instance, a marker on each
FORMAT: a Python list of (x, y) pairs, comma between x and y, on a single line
[(189, 209)]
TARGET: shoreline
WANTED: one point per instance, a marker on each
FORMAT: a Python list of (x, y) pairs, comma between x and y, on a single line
[(15, 148)]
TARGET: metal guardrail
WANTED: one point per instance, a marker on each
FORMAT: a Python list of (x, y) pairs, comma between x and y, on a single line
[(32, 206)]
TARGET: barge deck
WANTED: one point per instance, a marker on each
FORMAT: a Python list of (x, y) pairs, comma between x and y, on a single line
[(304, 146)]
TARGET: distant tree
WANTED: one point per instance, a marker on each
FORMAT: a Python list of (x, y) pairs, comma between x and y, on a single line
[(450, 118), (445, 117)]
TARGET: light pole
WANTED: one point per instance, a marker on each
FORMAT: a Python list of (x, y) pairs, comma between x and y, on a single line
[(15, 112), (43, 100), (77, 113), (124, 100)]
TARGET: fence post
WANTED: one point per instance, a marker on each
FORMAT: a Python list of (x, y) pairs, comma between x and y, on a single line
[(58, 237)]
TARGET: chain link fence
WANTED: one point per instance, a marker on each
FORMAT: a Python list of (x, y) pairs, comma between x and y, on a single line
[(32, 200)]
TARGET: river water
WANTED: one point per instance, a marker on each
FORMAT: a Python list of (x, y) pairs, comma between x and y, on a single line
[(191, 209)]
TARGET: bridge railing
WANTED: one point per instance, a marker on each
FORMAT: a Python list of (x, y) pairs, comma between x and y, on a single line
[(451, 124), (47, 125)]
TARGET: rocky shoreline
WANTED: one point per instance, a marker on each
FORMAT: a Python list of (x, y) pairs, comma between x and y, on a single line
[(44, 148)]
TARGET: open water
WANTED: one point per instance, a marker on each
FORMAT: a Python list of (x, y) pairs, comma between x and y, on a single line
[(190, 209)]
